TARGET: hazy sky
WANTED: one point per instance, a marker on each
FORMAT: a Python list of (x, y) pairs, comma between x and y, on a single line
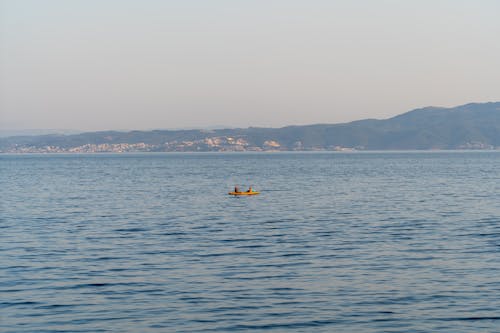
[(122, 64)]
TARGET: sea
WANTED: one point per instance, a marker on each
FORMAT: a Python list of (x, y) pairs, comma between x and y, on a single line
[(335, 242)]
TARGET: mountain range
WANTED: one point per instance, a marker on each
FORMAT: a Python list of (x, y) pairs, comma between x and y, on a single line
[(470, 126)]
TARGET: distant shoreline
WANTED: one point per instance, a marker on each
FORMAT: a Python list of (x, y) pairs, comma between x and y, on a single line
[(255, 152), (474, 126)]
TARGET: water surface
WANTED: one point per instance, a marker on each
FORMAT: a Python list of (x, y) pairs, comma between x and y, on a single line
[(344, 242)]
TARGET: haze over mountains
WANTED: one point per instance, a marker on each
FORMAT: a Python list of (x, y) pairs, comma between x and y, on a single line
[(470, 126)]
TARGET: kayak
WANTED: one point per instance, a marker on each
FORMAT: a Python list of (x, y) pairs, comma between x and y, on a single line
[(244, 193)]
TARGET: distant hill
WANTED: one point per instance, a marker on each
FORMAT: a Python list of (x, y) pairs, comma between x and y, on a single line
[(31, 132), (470, 126)]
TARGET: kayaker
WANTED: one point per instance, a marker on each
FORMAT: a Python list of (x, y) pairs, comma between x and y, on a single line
[(236, 189), (249, 189)]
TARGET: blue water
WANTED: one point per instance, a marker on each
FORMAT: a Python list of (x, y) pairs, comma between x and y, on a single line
[(336, 242)]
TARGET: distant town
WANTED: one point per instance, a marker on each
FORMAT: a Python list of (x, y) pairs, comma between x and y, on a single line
[(209, 144)]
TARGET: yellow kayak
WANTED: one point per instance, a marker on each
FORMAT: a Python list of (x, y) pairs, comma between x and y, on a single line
[(244, 193)]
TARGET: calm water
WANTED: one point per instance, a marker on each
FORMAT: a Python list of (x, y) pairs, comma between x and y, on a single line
[(336, 242)]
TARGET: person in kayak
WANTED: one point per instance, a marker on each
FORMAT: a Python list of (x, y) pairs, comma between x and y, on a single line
[(236, 189), (249, 189)]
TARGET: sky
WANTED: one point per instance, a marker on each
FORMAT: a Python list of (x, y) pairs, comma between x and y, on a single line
[(146, 64)]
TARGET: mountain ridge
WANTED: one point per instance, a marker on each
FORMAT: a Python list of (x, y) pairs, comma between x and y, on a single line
[(468, 126)]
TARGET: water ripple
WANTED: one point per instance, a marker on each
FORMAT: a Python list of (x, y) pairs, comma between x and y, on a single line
[(379, 242)]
